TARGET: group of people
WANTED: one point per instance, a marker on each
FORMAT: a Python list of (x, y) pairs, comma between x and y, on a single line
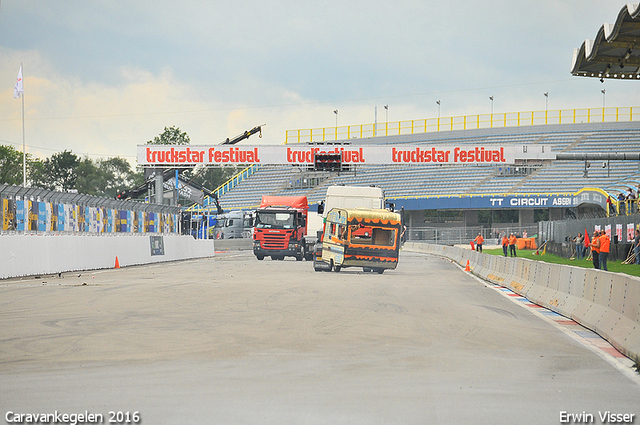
[(508, 243), (630, 199), (600, 247)]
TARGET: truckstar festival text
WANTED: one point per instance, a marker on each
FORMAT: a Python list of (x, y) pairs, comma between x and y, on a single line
[(283, 154)]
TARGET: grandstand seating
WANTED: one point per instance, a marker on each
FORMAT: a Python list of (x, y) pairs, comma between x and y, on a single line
[(446, 180)]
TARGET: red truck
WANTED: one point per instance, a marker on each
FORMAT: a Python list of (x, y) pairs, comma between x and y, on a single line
[(280, 228)]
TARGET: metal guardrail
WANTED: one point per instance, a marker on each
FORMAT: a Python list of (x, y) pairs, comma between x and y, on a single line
[(465, 122), (464, 235)]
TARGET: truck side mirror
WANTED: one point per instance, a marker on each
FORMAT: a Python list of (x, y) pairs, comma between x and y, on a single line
[(320, 207)]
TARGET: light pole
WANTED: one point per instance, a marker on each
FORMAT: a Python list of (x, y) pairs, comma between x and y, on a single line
[(603, 91), (491, 120), (438, 102), (335, 111), (546, 100)]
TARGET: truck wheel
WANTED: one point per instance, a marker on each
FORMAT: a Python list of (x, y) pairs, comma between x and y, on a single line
[(380, 271), (336, 268), (260, 257), (367, 269), (300, 255)]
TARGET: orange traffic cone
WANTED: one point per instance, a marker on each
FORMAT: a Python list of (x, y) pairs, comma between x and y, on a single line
[(467, 268), (118, 264)]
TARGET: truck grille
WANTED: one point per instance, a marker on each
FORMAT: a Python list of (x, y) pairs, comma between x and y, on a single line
[(274, 241)]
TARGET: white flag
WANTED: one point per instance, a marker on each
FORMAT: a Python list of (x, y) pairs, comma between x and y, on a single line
[(19, 89)]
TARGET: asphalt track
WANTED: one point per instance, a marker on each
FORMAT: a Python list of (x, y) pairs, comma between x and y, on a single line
[(233, 340)]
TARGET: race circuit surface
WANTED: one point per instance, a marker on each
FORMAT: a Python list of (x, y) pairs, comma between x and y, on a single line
[(233, 340)]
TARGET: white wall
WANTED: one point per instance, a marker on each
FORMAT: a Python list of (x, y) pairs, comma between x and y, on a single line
[(25, 255)]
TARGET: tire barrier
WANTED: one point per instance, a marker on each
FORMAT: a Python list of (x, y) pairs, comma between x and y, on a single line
[(607, 303)]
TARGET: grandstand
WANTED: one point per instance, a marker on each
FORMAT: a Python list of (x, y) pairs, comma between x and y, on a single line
[(423, 183)]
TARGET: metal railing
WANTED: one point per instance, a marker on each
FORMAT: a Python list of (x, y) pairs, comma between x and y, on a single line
[(466, 122), (464, 235), (225, 187)]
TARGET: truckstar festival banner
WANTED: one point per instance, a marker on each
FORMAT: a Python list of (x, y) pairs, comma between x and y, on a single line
[(301, 155)]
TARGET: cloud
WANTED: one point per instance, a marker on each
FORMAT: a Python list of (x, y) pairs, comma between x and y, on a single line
[(101, 78)]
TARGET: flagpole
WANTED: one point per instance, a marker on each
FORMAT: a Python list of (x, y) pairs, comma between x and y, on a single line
[(24, 154)]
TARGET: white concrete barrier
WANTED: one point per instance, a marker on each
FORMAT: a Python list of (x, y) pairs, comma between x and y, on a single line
[(26, 255), (605, 302)]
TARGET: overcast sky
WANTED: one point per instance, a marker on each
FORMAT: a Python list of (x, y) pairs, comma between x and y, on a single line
[(101, 77)]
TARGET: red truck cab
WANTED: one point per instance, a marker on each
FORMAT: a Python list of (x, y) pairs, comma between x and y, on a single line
[(280, 228)]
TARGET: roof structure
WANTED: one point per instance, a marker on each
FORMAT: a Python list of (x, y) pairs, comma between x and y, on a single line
[(615, 52)]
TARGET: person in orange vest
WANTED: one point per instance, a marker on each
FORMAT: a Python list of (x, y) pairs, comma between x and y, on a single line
[(595, 249), (605, 243), (505, 244), (512, 245), (479, 240)]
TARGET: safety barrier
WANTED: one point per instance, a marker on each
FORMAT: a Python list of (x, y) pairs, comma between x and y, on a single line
[(35, 210), (41, 254), (605, 302)]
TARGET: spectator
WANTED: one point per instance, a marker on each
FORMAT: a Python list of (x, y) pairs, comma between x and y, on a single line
[(636, 246), (512, 245), (505, 244), (632, 198), (610, 206), (579, 240), (479, 240), (605, 243), (524, 234), (621, 200), (595, 249)]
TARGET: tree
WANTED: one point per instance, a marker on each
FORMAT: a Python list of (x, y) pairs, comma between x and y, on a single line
[(120, 175), (90, 180), (37, 174), (212, 176), (61, 170), (171, 136), (106, 177), (10, 165)]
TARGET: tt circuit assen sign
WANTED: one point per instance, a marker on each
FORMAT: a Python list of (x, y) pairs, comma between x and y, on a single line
[(159, 155), (513, 202)]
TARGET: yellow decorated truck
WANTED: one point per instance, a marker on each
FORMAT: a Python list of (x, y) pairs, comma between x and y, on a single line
[(367, 238)]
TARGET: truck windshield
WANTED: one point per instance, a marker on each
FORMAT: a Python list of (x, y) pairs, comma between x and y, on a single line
[(274, 220)]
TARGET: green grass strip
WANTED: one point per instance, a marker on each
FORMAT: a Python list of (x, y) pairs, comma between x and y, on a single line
[(613, 266)]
